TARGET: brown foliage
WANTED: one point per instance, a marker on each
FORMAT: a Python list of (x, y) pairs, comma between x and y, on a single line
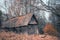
[(50, 29)]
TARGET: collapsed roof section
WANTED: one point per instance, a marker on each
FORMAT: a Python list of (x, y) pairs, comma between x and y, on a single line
[(21, 21)]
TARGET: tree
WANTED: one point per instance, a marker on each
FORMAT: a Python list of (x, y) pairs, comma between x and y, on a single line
[(0, 18), (0, 13)]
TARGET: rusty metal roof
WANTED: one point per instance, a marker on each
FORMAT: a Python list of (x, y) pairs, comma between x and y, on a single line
[(18, 21)]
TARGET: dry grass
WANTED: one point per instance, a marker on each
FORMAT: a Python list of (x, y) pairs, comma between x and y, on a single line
[(14, 36)]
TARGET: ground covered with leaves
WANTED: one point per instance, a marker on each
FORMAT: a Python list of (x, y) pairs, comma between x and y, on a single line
[(15, 36)]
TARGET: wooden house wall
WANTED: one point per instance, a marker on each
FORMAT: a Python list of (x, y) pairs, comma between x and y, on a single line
[(30, 29)]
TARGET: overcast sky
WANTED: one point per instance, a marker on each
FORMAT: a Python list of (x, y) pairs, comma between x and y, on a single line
[(2, 5)]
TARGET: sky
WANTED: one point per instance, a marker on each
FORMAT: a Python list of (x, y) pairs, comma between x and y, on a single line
[(1, 4), (45, 1)]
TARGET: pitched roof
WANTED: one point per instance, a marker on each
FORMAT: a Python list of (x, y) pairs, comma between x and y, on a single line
[(33, 20), (20, 21)]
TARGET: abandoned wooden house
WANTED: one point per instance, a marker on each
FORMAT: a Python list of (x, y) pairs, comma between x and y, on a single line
[(26, 23)]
